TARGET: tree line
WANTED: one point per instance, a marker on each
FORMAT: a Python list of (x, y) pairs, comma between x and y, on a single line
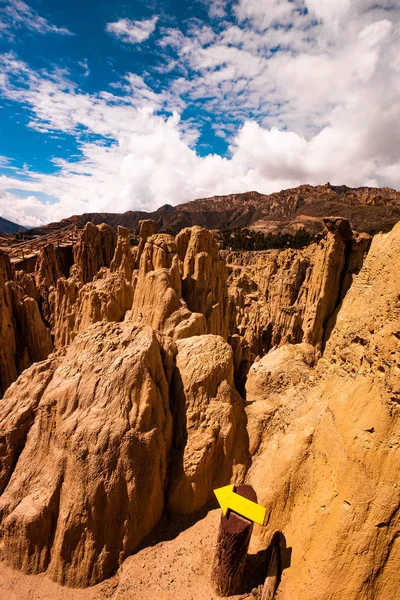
[(247, 239)]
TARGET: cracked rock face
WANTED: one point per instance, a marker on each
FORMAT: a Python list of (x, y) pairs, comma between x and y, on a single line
[(290, 296), (158, 297), (176, 286), (25, 337), (137, 409), (108, 293), (211, 442), (85, 439), (94, 249), (326, 449), (204, 277)]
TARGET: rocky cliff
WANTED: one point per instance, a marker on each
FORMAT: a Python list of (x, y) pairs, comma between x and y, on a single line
[(183, 287), (368, 209), (89, 483), (119, 422), (87, 437), (137, 410), (325, 443), (25, 338), (290, 296)]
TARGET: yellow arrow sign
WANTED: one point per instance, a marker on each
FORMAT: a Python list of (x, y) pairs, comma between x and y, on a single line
[(228, 499)]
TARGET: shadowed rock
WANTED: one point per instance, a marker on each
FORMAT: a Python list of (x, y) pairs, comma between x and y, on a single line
[(94, 428), (94, 249), (24, 336), (290, 296), (211, 443)]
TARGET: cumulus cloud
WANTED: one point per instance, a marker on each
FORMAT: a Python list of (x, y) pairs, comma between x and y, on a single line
[(23, 211), (16, 14), (308, 93), (132, 32)]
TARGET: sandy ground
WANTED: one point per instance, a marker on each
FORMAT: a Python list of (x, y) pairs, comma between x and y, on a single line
[(173, 564)]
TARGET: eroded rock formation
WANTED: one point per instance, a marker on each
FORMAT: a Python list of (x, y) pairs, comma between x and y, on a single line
[(24, 336), (147, 228), (204, 277), (80, 430), (211, 443), (137, 410), (279, 297), (95, 430), (326, 448), (107, 296), (123, 261), (77, 306), (179, 287), (85, 441), (176, 286), (94, 249), (158, 293)]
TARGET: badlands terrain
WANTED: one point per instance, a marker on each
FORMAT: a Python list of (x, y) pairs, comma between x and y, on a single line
[(137, 379)]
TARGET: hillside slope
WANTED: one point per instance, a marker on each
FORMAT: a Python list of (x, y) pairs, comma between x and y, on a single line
[(368, 209), (10, 227)]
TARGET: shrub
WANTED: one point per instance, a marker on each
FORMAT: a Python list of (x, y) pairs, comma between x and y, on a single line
[(246, 239)]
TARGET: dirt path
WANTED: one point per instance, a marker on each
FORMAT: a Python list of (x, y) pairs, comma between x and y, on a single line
[(174, 565)]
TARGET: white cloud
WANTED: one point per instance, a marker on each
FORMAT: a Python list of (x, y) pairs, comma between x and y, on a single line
[(324, 107), (132, 32), (16, 14), (216, 8), (23, 211), (330, 12), (84, 64), (264, 13)]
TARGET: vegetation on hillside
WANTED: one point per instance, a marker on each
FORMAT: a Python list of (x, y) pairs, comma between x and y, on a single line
[(246, 239)]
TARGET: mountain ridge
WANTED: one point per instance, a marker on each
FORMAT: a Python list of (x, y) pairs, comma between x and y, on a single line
[(368, 209), (7, 226)]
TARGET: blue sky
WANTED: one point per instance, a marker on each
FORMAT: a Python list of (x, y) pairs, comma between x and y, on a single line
[(113, 106)]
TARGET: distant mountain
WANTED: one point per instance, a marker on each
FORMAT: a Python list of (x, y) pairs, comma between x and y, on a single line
[(368, 209), (9, 227)]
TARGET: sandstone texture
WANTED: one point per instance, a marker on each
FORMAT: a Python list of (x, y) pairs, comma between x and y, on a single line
[(89, 295), (123, 261), (47, 273), (78, 305), (211, 443), (123, 371), (204, 277), (94, 442), (325, 451), (94, 249), (158, 290), (181, 285), (86, 443), (290, 296), (178, 287), (91, 446), (147, 228), (24, 336)]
